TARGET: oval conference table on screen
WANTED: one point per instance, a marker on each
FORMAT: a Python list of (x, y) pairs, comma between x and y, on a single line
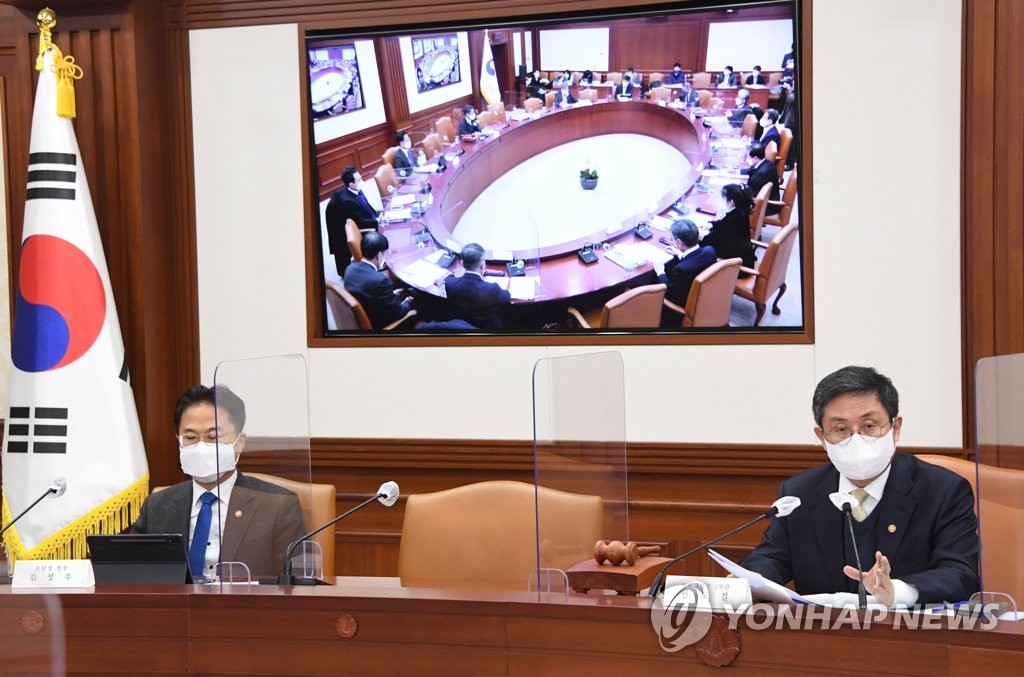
[(562, 274)]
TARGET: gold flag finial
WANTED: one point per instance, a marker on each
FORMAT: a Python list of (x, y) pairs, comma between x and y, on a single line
[(46, 19), (65, 68)]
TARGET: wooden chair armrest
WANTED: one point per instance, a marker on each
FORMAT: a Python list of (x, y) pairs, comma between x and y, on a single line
[(578, 316), (750, 271), (777, 203), (400, 321), (758, 243), (674, 308)]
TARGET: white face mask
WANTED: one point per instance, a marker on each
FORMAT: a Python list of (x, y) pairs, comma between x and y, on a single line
[(203, 460), (765, 122), (861, 458)]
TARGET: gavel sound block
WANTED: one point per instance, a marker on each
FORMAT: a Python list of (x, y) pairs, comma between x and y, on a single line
[(626, 568)]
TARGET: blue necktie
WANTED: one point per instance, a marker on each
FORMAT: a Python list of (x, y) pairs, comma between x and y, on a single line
[(201, 536)]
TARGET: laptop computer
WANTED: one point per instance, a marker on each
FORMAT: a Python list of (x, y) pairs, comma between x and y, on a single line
[(139, 558)]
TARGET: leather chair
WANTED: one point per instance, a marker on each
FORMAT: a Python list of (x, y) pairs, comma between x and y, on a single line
[(387, 180), (576, 75), (1002, 514), (487, 119), (318, 508), (348, 313), (457, 115), (653, 78), (709, 302), (432, 145), (704, 99), (354, 237), (616, 78), (549, 99), (770, 274), (715, 104), (484, 535), (636, 308), (759, 210), (785, 140), (588, 95), (774, 79), (498, 108), (661, 94), (389, 156), (701, 80), (749, 126), (446, 128), (788, 200), (532, 105)]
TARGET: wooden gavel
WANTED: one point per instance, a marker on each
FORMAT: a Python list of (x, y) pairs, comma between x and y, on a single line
[(617, 552)]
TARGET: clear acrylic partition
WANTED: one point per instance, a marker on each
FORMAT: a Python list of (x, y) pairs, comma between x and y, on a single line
[(273, 463), (525, 280), (32, 634), (999, 410), (580, 449)]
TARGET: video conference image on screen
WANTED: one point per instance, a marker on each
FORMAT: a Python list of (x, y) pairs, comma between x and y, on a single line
[(633, 173)]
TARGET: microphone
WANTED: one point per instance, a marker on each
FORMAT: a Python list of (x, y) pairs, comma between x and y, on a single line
[(845, 503), (387, 494), (57, 488), (780, 508)]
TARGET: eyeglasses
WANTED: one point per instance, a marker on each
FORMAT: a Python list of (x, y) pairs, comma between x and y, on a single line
[(842, 435), (211, 437)]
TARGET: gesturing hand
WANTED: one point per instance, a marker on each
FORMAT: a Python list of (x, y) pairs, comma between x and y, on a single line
[(876, 581)]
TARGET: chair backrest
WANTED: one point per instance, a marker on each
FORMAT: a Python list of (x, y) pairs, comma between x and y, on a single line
[(616, 78), (532, 105), (1002, 514), (655, 77), (785, 139), (709, 302), (347, 311), (774, 79), (749, 127), (446, 128), (386, 179), (457, 115), (554, 75), (661, 94), (588, 94), (318, 506), (485, 534), (576, 75), (759, 210), (701, 80), (354, 237), (715, 104), (775, 262), (639, 307), (549, 99), (788, 200), (389, 156), (704, 98), (488, 119), (498, 108), (432, 145)]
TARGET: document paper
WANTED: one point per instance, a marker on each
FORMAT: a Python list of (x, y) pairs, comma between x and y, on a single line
[(760, 587)]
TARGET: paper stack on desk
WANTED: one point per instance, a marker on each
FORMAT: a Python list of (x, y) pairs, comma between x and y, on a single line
[(522, 288), (422, 273)]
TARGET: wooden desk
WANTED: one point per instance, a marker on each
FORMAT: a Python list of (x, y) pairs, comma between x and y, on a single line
[(373, 627)]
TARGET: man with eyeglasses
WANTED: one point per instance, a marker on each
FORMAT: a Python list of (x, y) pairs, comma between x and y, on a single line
[(915, 523), (247, 520)]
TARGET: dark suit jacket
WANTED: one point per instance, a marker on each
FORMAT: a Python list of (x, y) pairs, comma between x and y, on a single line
[(737, 115), (404, 163), (769, 136), (764, 172), (261, 521), (624, 89), (344, 205), (476, 300), (468, 127), (376, 294), (674, 79), (926, 527), (756, 79), (680, 273), (732, 81), (730, 236), (570, 99)]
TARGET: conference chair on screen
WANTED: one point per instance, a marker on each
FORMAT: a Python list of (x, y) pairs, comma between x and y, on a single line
[(1002, 513), (785, 141), (387, 180), (749, 127), (488, 119), (348, 313), (636, 308), (389, 156), (786, 204), (576, 75), (446, 128), (704, 98), (432, 145), (655, 80), (774, 79), (715, 104), (484, 535), (615, 78), (701, 80), (457, 115), (770, 274), (354, 238), (759, 210), (549, 99), (532, 105), (588, 94), (710, 299), (661, 94), (498, 108)]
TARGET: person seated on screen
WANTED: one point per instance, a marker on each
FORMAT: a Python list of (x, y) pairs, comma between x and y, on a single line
[(677, 76), (563, 98), (770, 131), (727, 78), (730, 234), (471, 297), (259, 520), (762, 171), (689, 260), (469, 126), (587, 78), (688, 96), (915, 524), (536, 85), (404, 161), (633, 77), (373, 289), (755, 77), (624, 90), (348, 202), (738, 114), (564, 79)]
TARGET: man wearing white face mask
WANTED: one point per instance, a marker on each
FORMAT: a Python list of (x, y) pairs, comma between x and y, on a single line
[(915, 523), (246, 519)]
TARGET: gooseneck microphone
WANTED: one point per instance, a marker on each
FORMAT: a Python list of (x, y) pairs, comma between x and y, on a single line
[(845, 503), (387, 494), (57, 488), (779, 508)]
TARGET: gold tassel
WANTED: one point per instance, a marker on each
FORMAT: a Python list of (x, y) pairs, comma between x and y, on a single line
[(67, 72)]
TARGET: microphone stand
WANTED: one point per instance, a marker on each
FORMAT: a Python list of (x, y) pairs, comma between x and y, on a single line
[(658, 586), (50, 490), (286, 577), (862, 593)]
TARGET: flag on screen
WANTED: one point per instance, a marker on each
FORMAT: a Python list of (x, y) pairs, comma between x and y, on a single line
[(488, 77), (72, 413)]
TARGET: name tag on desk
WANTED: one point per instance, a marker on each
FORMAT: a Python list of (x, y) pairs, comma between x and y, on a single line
[(717, 591), (52, 573)]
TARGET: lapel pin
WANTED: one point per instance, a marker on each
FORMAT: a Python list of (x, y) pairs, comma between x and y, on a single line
[(238, 513), (892, 528)]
